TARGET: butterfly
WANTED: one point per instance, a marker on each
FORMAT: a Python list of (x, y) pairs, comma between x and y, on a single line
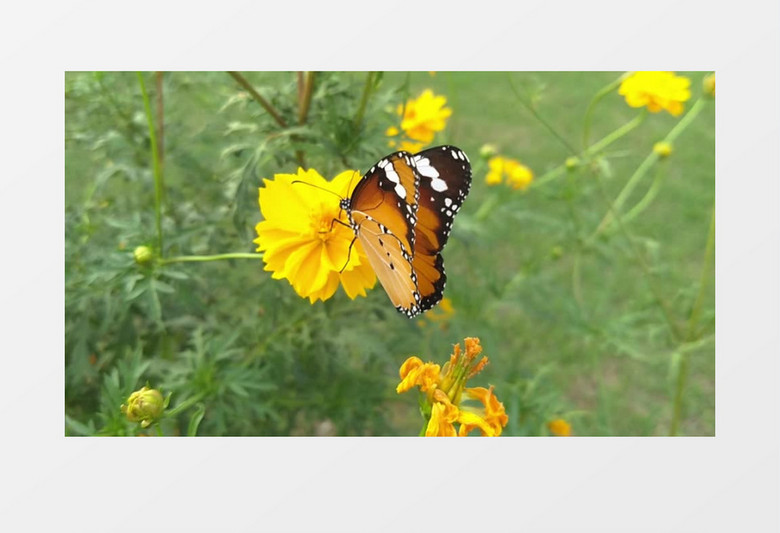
[(402, 211)]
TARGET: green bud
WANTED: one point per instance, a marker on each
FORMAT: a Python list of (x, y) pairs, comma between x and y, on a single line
[(556, 252), (144, 406), (143, 254), (663, 149), (487, 151), (572, 162), (708, 85)]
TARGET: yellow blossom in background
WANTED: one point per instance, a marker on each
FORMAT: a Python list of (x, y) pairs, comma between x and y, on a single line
[(708, 85), (657, 91), (517, 175), (440, 315), (421, 118), (559, 427), (405, 144), (445, 389), (301, 240)]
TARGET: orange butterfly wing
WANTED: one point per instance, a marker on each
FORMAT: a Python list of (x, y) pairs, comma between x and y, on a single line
[(383, 212)]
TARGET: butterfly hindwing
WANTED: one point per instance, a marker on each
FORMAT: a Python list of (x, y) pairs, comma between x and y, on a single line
[(445, 180)]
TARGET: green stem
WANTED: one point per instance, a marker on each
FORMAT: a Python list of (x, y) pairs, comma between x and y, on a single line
[(205, 258), (308, 91), (617, 134), (158, 175), (367, 89), (709, 255), (682, 372), (596, 147), (674, 329), (538, 117), (258, 98), (589, 111), (649, 196), (645, 166), (186, 404)]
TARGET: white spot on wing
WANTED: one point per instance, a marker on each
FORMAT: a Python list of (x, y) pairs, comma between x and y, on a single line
[(392, 175), (424, 167), (438, 184), (400, 191)]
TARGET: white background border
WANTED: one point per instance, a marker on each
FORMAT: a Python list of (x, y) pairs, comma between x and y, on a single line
[(723, 483)]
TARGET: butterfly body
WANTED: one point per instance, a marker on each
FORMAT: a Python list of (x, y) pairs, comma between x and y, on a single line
[(402, 212)]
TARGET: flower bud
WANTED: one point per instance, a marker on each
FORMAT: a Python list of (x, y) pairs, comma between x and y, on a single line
[(142, 255), (559, 427), (663, 149), (572, 162), (708, 85), (487, 151), (144, 406)]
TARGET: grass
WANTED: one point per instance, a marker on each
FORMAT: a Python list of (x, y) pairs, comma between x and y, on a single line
[(604, 360)]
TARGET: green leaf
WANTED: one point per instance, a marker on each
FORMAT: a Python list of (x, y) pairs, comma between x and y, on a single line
[(195, 419)]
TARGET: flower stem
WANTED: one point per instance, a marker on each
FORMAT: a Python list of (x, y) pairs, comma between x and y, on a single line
[(617, 134), (674, 329), (541, 119), (682, 372), (589, 111), (645, 166), (157, 167), (648, 197), (596, 147), (308, 90), (258, 98), (367, 90), (205, 258), (186, 404)]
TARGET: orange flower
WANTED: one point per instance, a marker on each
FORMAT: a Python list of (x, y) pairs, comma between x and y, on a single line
[(443, 390)]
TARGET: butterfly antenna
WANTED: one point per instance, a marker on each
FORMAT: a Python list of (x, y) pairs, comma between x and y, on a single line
[(317, 187)]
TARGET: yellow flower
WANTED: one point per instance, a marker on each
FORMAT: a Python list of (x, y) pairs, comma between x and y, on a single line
[(657, 91), (444, 388), (559, 427), (440, 315), (421, 118), (404, 144), (302, 241), (518, 176)]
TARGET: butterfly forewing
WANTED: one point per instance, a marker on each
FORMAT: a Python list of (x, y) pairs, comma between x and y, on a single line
[(391, 263), (383, 213), (445, 180)]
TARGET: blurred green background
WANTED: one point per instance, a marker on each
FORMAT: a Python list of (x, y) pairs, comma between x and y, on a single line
[(574, 329)]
